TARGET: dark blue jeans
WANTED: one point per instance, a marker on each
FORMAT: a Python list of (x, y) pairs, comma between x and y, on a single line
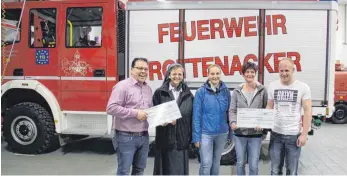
[(131, 151), (247, 146), (282, 149)]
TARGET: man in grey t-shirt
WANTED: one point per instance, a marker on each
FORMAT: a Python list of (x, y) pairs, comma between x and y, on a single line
[(288, 96)]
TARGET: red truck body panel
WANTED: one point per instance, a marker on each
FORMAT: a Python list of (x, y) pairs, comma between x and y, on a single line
[(341, 86)]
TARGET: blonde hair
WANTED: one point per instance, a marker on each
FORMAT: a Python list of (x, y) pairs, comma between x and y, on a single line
[(213, 65), (287, 59)]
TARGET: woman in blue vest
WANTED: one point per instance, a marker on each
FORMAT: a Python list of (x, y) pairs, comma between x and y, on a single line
[(210, 126)]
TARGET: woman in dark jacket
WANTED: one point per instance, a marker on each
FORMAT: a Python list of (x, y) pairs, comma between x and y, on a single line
[(172, 140)]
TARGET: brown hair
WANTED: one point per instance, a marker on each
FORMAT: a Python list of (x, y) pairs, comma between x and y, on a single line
[(249, 65), (133, 63)]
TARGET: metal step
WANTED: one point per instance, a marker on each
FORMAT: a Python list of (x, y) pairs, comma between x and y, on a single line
[(92, 132), (86, 123)]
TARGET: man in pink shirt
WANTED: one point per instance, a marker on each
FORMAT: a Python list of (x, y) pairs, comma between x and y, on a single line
[(127, 102)]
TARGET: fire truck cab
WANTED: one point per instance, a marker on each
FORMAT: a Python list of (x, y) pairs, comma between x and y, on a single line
[(63, 65)]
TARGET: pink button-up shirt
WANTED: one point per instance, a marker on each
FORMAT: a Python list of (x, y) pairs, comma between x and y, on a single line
[(127, 96)]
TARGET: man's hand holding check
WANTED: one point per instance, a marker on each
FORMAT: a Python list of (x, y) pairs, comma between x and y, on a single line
[(141, 115)]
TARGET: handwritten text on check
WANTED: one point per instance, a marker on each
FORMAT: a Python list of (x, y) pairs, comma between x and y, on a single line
[(163, 113), (252, 117)]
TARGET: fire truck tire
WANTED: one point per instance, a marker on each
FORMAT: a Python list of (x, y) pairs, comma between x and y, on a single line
[(29, 129), (228, 155), (340, 114)]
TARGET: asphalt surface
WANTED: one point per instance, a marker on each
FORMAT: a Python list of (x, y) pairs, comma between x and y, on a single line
[(324, 154)]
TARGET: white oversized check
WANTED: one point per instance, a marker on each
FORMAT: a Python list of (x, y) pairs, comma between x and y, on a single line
[(252, 117), (163, 113)]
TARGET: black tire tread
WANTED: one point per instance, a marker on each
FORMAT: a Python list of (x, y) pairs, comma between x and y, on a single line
[(338, 121), (43, 117), (229, 158)]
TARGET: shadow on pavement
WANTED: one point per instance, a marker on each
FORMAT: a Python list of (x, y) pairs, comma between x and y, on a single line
[(90, 145)]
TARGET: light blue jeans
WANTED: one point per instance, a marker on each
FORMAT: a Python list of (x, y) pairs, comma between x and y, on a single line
[(247, 146), (211, 148)]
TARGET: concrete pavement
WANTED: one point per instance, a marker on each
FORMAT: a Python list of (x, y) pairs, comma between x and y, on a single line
[(324, 154)]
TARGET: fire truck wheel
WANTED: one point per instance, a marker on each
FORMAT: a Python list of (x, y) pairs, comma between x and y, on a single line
[(228, 155), (340, 114), (29, 129)]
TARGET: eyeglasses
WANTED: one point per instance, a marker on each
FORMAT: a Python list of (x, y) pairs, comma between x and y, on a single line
[(142, 68)]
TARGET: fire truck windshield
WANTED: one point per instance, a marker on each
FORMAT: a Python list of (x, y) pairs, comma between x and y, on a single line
[(83, 27)]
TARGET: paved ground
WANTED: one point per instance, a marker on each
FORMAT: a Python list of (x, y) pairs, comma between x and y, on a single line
[(325, 154)]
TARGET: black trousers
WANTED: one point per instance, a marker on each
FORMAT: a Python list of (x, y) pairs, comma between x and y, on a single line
[(171, 162)]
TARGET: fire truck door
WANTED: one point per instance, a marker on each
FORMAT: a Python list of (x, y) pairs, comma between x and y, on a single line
[(42, 53), (83, 57)]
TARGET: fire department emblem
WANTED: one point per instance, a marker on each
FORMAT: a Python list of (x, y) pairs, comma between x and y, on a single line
[(76, 67)]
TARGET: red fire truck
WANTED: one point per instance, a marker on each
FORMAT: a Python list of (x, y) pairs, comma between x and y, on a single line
[(340, 114), (61, 65)]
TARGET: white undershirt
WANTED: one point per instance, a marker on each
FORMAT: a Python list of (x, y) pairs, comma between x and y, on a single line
[(175, 93)]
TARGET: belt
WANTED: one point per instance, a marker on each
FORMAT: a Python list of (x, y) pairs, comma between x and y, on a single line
[(279, 134), (143, 133)]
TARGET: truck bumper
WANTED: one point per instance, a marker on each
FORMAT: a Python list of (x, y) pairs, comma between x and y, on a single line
[(323, 111)]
